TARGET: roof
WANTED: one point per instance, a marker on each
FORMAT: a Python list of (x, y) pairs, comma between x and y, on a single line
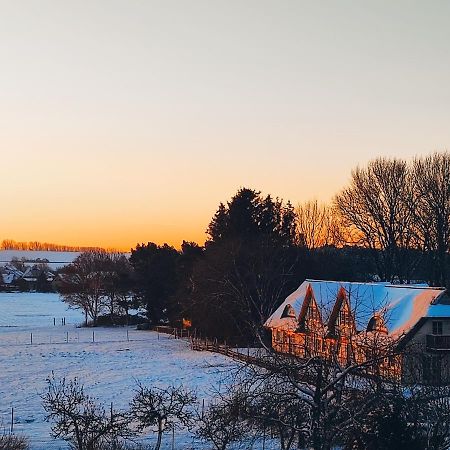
[(8, 278), (402, 305)]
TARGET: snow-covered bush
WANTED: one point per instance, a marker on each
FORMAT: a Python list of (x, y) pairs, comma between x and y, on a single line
[(13, 442)]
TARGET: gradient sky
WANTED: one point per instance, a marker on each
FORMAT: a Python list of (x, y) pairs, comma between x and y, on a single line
[(129, 121)]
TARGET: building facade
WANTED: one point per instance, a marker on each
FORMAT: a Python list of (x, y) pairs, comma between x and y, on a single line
[(405, 329)]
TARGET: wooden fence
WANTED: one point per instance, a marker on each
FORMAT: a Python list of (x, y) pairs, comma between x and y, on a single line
[(207, 345), (176, 333), (224, 349)]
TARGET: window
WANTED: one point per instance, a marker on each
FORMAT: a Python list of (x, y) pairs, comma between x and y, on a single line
[(437, 327), (316, 345), (344, 317)]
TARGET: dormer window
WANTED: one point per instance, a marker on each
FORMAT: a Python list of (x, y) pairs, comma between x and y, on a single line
[(288, 312), (437, 327), (376, 323)]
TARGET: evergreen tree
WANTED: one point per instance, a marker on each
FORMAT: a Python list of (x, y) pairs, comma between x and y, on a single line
[(248, 216), (250, 264), (179, 305), (218, 225), (155, 270), (244, 215)]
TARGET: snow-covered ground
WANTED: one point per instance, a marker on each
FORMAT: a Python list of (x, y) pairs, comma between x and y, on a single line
[(56, 259), (108, 367)]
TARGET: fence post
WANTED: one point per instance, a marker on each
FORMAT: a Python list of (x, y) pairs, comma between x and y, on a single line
[(54, 321), (128, 338), (93, 336), (67, 336), (31, 338), (203, 408), (12, 420)]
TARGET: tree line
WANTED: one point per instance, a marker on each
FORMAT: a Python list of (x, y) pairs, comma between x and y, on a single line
[(10, 244), (400, 211), (390, 223)]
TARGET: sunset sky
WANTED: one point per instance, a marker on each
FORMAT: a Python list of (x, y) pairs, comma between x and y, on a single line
[(129, 121)]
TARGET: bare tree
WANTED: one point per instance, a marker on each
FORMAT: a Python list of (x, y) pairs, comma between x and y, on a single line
[(273, 408), (117, 284), (432, 213), (225, 422), (76, 417), (82, 283), (378, 204), (317, 400), (318, 225), (164, 408)]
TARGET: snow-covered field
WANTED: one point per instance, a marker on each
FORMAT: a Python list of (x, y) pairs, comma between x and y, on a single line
[(108, 367), (56, 259)]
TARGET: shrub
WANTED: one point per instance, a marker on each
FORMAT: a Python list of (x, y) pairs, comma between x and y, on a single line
[(13, 442)]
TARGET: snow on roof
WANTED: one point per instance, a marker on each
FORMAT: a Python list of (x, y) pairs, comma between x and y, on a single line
[(8, 278), (439, 311), (9, 268), (403, 305)]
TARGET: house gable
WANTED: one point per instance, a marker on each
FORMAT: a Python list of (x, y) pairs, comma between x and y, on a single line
[(310, 318), (341, 322)]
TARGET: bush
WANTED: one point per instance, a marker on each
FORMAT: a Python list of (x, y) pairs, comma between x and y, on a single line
[(126, 446), (13, 442), (122, 320)]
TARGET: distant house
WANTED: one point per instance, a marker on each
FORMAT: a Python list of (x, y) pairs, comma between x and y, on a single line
[(10, 276), (36, 276), (31, 278), (32, 274), (343, 318)]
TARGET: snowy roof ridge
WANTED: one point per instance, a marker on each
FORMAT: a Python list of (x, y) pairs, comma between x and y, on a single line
[(379, 283), (375, 283), (405, 305), (415, 286)]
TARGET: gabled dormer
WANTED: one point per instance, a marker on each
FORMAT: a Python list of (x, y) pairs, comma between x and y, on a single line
[(377, 324), (288, 311), (310, 319), (341, 322)]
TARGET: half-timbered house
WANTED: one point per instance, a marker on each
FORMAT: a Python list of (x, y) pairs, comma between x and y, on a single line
[(349, 321)]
